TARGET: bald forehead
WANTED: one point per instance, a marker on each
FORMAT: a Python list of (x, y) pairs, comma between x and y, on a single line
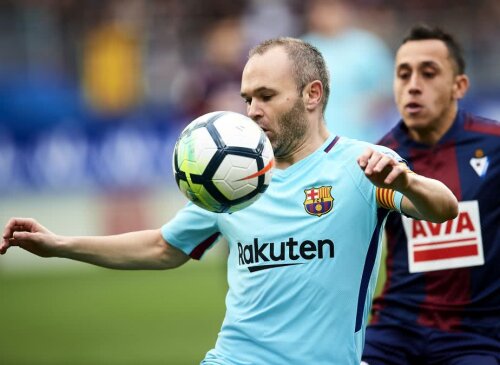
[(271, 69), (277, 54)]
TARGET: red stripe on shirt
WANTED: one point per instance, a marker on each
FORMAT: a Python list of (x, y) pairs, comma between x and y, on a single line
[(444, 286), (199, 250), (482, 125), (445, 253)]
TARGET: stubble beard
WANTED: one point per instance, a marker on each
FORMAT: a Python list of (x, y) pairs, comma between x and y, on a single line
[(292, 127)]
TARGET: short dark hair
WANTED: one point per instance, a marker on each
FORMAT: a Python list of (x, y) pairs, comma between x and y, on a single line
[(421, 32), (308, 62)]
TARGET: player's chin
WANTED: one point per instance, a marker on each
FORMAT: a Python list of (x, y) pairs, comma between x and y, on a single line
[(274, 141), (416, 120)]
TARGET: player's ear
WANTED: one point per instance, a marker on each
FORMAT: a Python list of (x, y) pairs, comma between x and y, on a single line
[(312, 94), (460, 86)]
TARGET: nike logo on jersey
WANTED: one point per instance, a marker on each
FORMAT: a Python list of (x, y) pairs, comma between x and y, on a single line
[(267, 255)]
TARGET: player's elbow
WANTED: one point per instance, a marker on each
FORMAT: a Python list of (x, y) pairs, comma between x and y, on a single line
[(452, 210), (445, 204), (448, 210), (170, 257)]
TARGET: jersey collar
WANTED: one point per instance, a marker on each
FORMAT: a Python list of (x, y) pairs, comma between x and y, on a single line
[(401, 132)]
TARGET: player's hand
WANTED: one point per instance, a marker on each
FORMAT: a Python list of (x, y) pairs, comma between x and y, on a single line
[(383, 170), (30, 235)]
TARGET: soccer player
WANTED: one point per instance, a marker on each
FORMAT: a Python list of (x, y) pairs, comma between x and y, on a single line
[(303, 259), (441, 300)]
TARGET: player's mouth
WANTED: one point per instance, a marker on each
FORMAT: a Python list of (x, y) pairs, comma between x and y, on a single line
[(266, 131), (413, 108)]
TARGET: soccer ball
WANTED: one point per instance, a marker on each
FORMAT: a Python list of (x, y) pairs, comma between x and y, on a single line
[(223, 161)]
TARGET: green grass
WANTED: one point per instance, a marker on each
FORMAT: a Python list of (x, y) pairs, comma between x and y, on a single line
[(98, 316)]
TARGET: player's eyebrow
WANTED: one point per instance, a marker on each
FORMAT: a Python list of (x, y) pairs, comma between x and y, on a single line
[(403, 66), (429, 64), (256, 91), (406, 65)]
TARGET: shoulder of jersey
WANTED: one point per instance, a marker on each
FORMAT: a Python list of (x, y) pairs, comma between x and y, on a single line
[(482, 125)]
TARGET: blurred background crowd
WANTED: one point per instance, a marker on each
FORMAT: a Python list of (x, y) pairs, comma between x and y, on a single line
[(94, 93)]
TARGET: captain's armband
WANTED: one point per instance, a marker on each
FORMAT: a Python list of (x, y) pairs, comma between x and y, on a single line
[(389, 199)]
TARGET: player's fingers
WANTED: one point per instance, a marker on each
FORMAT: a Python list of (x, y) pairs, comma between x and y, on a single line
[(10, 227), (385, 163), (365, 157), (372, 162), (9, 231), (389, 179), (21, 236), (17, 224), (19, 232), (27, 241), (4, 246), (394, 174), (16, 239), (24, 224)]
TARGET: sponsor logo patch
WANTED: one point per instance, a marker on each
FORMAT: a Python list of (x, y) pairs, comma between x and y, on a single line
[(452, 244), (262, 255)]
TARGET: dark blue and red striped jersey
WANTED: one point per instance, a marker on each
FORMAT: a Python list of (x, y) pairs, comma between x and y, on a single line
[(455, 266)]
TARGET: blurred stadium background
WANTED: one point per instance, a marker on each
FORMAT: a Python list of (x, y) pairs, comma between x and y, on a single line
[(92, 97)]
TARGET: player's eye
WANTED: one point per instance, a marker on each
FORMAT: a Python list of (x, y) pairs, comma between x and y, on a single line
[(266, 97), (429, 74), (247, 101), (404, 75)]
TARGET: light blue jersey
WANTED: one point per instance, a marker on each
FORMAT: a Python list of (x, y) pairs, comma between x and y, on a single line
[(302, 262)]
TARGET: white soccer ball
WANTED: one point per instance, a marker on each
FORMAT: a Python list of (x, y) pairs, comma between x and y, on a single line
[(223, 161)]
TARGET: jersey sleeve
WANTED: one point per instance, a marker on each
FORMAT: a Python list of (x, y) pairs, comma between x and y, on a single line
[(193, 230)]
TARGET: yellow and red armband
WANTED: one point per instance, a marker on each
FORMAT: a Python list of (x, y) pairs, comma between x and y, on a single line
[(389, 198)]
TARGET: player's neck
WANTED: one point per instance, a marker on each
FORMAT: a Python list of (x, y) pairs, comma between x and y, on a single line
[(432, 134), (304, 148)]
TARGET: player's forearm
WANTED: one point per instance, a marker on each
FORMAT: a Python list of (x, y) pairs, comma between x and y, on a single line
[(429, 199), (134, 250)]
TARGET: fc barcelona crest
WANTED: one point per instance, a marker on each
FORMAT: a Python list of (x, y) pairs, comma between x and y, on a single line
[(318, 201)]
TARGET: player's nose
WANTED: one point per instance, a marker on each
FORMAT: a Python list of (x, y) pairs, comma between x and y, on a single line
[(254, 111), (414, 84)]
